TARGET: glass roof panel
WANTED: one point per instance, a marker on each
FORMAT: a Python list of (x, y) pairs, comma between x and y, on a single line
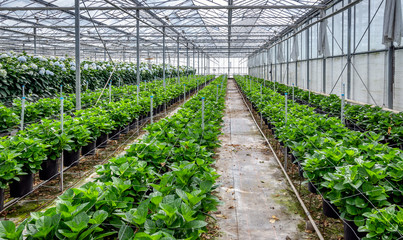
[(244, 25)]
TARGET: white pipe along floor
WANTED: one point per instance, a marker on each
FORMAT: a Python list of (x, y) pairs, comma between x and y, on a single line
[(257, 201)]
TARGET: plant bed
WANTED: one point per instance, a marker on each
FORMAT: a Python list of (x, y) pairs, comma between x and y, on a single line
[(184, 202), (23, 186)]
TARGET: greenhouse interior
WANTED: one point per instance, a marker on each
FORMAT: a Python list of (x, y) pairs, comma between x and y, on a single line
[(201, 119)]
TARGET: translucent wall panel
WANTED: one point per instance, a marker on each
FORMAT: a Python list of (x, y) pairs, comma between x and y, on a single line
[(337, 75), (360, 26), (371, 75), (377, 10), (398, 87), (315, 75)]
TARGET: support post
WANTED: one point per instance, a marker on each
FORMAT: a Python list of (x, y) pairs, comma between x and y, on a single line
[(151, 109), (187, 60), (110, 91), (307, 59), (193, 66), (22, 108), (62, 155), (177, 67), (138, 92), (288, 64), (324, 74), (137, 46), (35, 38), (184, 92), (77, 53), (261, 104), (293, 93), (163, 57), (216, 98), (285, 121), (198, 62), (342, 105), (391, 77), (202, 113), (349, 52)]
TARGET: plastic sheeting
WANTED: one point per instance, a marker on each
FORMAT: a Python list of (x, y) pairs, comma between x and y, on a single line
[(280, 53), (295, 49), (392, 22), (323, 42)]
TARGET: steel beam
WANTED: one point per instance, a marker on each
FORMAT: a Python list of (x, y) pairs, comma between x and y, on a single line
[(192, 7), (115, 27)]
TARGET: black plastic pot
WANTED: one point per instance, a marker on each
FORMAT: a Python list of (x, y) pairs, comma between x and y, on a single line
[(89, 149), (1, 199), (102, 141), (312, 188), (22, 187), (125, 129), (351, 231), (329, 209), (71, 158), (114, 135), (133, 124), (300, 170), (293, 159), (49, 169)]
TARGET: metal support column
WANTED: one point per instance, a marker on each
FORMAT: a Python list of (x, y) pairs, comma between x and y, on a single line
[(163, 57), (138, 45), (349, 52), (187, 59), (288, 64), (193, 66), (177, 67), (198, 62), (324, 74), (77, 53), (35, 40), (391, 77), (307, 59)]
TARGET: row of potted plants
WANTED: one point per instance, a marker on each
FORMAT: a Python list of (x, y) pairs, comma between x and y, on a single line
[(160, 189), (358, 117), (50, 107), (42, 76), (356, 175), (37, 147)]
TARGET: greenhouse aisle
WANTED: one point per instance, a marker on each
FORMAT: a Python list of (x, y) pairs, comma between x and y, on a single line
[(258, 203)]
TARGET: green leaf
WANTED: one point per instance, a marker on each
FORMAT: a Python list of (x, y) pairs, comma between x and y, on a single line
[(196, 224)]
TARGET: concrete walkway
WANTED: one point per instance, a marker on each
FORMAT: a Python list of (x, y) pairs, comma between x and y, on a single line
[(258, 203)]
